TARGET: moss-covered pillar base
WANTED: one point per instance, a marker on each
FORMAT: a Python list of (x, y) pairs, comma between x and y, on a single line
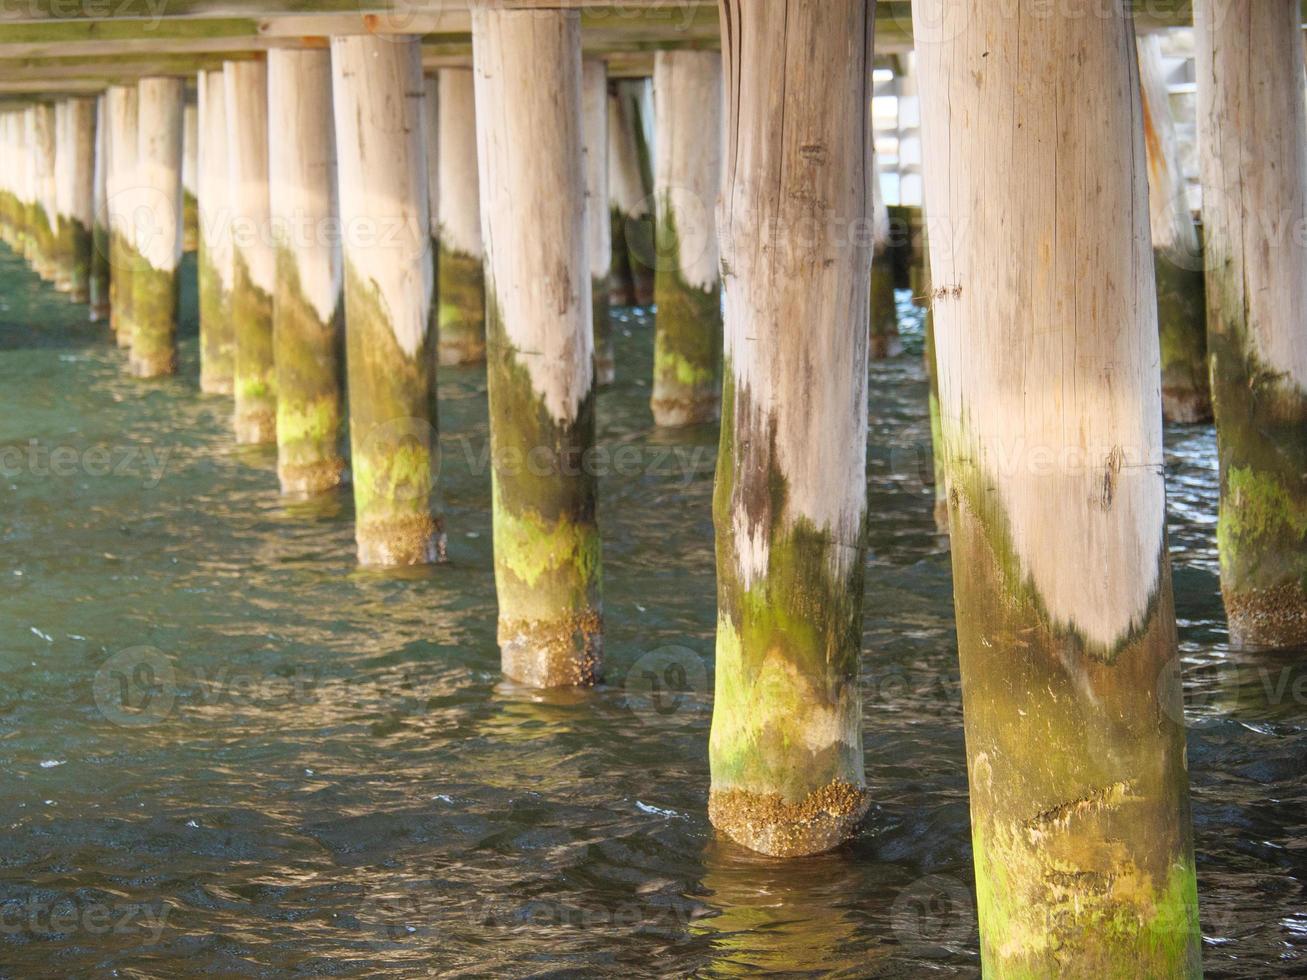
[(215, 260), (540, 357), (254, 265), (378, 97), (1251, 105), (687, 176), (791, 502), (1051, 427), (461, 320), (1182, 323), (122, 108), (159, 246), (885, 341), (307, 306)]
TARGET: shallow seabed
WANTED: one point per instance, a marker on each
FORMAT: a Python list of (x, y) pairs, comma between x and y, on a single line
[(227, 751)]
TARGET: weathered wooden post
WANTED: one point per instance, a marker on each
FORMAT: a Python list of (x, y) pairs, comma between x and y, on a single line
[(190, 176), (307, 311), (121, 102), (687, 286), (98, 289), (1051, 412), (1181, 290), (61, 256), (77, 210), (461, 292), (254, 259), (1253, 133), (630, 184), (598, 222), (540, 355), (791, 498), (158, 224), (43, 206), (378, 96), (431, 142), (216, 258), (885, 342)]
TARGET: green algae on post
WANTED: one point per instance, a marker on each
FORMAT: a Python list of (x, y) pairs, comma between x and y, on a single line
[(540, 367), (687, 284), (790, 503), (120, 182), (254, 263), (379, 103), (307, 313), (460, 263), (1051, 434), (885, 341), (215, 259), (1249, 94), (158, 254)]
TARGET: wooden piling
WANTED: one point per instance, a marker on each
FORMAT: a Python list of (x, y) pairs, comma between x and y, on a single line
[(885, 342), (216, 256), (378, 97), (121, 101), (630, 184), (254, 258), (307, 309), (1181, 283), (1047, 345), (461, 290), (98, 286), (598, 222), (1253, 134), (539, 345), (158, 239), (791, 498), (687, 286)]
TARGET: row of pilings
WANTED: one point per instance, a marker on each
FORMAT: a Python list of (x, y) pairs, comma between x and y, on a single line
[(1044, 291)]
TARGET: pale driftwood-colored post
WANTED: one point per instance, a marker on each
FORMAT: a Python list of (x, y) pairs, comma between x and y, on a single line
[(540, 344), (630, 184), (598, 221), (78, 211), (791, 499), (216, 258), (378, 98), (461, 291), (121, 101), (155, 286), (431, 140), (43, 173), (885, 340), (254, 264), (687, 285), (1181, 291), (99, 272), (60, 253), (1051, 413), (190, 176), (1253, 134), (307, 311)]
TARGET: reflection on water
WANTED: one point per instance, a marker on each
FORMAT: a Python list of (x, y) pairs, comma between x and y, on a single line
[(229, 751)]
